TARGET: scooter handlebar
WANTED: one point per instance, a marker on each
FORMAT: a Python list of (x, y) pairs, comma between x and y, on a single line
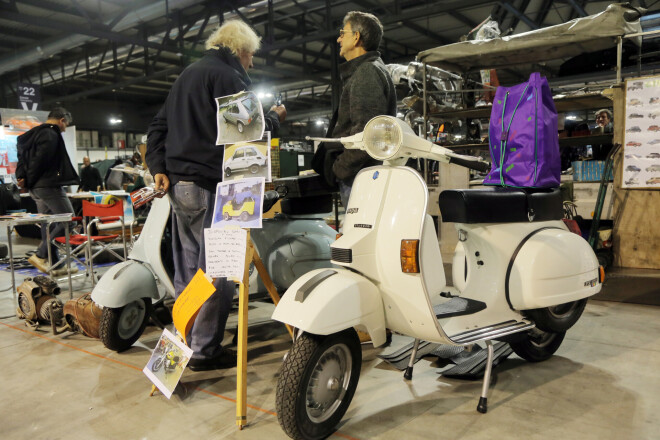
[(471, 162)]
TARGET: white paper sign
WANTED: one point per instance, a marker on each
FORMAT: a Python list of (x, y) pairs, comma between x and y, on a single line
[(225, 252), (301, 160)]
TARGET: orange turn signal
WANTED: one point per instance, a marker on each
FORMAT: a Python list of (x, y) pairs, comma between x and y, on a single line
[(409, 256), (601, 272)]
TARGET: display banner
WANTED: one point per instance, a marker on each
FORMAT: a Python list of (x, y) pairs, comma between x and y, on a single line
[(29, 96)]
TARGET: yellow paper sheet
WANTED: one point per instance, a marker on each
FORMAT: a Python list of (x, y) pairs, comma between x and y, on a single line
[(189, 302)]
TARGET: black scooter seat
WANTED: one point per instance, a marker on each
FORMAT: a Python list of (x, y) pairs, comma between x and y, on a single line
[(501, 205)]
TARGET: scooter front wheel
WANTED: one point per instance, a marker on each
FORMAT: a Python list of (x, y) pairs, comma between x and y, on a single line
[(158, 363), (120, 327), (317, 383), (537, 345)]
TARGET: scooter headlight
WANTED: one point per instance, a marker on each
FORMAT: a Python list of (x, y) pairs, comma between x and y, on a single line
[(382, 137)]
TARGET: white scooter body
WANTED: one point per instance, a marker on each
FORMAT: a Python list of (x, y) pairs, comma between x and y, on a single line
[(137, 277), (387, 205)]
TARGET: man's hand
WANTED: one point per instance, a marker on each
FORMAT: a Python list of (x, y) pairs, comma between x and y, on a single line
[(161, 182), (21, 183), (280, 110)]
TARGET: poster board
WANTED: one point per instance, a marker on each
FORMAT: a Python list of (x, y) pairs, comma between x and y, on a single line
[(641, 160)]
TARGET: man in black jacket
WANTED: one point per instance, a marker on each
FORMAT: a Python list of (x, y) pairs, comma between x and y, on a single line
[(44, 168), (184, 159), (367, 91), (90, 177)]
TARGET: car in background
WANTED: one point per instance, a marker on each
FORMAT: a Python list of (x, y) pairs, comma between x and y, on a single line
[(654, 181), (635, 116), (246, 157), (633, 144), (634, 102), (240, 112), (654, 128), (633, 168), (653, 155), (634, 129), (22, 122), (654, 167)]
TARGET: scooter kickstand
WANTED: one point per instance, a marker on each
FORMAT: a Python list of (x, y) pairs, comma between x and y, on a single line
[(409, 369), (482, 407)]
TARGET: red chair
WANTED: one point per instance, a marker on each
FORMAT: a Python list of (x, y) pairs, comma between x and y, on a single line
[(96, 214)]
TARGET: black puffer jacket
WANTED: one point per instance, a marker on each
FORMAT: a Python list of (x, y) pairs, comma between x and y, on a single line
[(43, 160), (181, 138)]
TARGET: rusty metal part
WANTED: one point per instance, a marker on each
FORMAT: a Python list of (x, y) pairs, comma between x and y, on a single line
[(44, 305), (83, 316), (48, 286), (28, 292)]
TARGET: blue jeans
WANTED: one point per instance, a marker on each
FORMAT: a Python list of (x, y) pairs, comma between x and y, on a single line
[(51, 201), (192, 212)]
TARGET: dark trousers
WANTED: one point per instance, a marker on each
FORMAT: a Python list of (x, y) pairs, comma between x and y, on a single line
[(51, 201)]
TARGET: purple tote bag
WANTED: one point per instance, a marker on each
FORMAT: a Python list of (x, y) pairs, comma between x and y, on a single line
[(524, 144)]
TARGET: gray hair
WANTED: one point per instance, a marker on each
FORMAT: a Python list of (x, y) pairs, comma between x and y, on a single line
[(236, 36), (369, 27), (60, 113), (604, 110)]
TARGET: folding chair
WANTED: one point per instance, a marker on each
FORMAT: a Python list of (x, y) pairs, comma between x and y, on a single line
[(95, 214)]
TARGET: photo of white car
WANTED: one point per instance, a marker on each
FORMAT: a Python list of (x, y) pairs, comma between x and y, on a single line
[(246, 157), (241, 112)]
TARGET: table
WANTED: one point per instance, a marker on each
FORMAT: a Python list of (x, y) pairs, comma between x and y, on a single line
[(45, 220)]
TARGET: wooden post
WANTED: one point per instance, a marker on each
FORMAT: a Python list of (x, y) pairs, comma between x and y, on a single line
[(241, 344)]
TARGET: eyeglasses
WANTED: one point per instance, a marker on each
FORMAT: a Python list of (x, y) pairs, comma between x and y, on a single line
[(342, 32)]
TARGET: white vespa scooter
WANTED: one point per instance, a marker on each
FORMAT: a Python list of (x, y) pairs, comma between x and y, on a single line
[(521, 275), (289, 245)]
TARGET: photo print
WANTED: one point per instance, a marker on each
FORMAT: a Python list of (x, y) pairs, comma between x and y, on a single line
[(240, 118), (167, 363), (238, 203), (248, 159)]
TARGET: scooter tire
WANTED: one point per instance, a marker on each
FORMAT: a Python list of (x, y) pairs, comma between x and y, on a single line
[(158, 363), (120, 327), (558, 318), (537, 345), (304, 366)]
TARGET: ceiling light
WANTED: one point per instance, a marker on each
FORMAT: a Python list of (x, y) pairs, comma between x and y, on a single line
[(115, 121)]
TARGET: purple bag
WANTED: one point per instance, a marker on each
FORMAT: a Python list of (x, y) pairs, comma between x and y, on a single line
[(524, 144)]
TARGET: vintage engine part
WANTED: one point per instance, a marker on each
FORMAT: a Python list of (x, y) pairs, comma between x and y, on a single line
[(36, 301), (83, 316)]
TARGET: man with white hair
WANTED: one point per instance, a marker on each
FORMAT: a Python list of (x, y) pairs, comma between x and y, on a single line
[(184, 159)]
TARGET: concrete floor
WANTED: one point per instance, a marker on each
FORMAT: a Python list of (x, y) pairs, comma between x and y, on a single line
[(602, 384)]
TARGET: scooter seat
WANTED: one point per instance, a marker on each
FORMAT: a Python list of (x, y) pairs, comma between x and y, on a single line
[(501, 205)]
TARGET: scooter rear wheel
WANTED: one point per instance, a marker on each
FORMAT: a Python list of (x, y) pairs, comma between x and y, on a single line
[(317, 383), (537, 345), (120, 327), (558, 318)]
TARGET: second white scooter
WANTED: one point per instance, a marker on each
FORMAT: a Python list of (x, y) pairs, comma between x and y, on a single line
[(519, 275)]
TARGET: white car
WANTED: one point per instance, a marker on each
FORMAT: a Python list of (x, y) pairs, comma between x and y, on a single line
[(246, 157), (241, 112)]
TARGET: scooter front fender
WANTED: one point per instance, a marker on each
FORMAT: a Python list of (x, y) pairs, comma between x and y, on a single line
[(326, 301), (124, 283)]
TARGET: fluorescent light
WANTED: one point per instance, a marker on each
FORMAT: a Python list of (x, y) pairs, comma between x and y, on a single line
[(115, 121), (571, 117), (319, 122)]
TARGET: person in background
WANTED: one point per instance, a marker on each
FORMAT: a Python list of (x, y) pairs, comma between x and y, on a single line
[(44, 168), (184, 159), (604, 126), (90, 177), (367, 91)]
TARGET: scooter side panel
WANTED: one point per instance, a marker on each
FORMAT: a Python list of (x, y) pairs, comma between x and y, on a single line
[(553, 267), (124, 283), (342, 300)]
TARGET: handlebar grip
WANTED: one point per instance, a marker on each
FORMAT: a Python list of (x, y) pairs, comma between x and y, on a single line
[(472, 164)]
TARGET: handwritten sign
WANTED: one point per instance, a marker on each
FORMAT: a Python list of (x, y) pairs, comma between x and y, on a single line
[(189, 302), (225, 252)]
